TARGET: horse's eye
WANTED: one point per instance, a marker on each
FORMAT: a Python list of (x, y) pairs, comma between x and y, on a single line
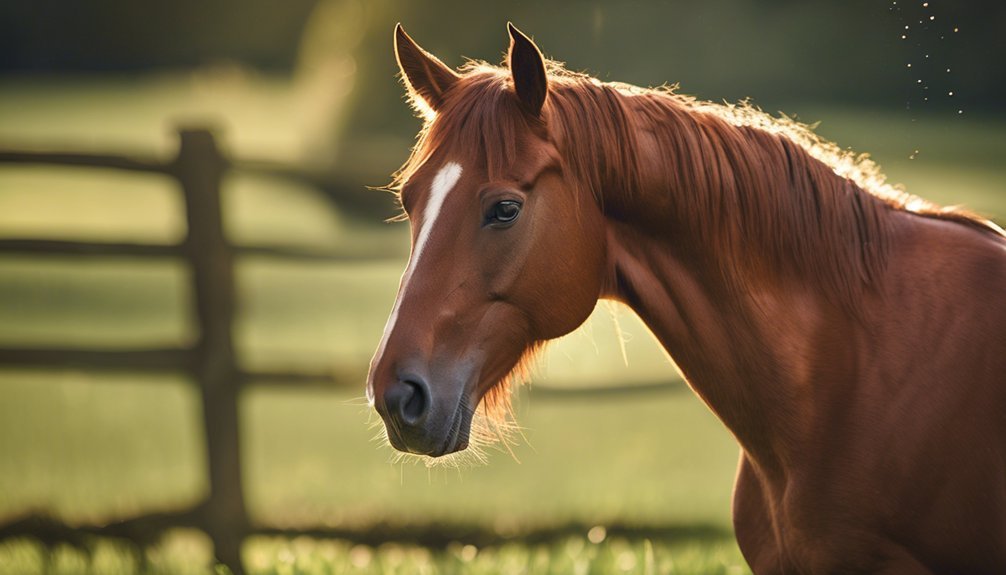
[(504, 212)]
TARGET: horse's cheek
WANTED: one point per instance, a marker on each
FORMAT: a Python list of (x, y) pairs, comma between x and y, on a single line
[(569, 277)]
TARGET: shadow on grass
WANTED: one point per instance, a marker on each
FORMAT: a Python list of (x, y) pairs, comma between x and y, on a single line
[(146, 530), (437, 536)]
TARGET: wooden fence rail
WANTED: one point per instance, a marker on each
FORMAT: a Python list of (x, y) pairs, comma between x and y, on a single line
[(198, 168)]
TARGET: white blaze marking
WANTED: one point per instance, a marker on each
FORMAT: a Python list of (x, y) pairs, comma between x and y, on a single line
[(443, 182)]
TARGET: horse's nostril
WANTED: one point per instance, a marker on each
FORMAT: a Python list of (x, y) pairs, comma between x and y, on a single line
[(408, 401), (415, 406)]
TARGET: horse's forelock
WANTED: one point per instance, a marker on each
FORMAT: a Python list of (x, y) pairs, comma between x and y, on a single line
[(480, 120)]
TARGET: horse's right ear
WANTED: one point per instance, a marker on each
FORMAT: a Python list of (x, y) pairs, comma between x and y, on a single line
[(527, 66), (426, 78)]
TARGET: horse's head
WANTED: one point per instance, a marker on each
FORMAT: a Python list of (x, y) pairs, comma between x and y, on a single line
[(505, 252)]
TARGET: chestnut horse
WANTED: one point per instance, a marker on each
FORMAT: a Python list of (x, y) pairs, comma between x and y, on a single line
[(852, 337)]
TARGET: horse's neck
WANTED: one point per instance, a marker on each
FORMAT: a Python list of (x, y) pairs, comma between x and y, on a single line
[(752, 353), (751, 358)]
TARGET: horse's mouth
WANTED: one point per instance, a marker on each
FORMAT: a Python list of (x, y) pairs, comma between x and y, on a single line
[(459, 432), (453, 444)]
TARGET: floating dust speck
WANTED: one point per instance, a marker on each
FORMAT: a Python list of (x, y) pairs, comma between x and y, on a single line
[(913, 155), (909, 65), (948, 70), (960, 111), (925, 4), (956, 29), (597, 534), (903, 37), (951, 94), (931, 18)]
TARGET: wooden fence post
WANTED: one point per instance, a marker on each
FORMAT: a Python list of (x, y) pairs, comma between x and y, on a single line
[(199, 168)]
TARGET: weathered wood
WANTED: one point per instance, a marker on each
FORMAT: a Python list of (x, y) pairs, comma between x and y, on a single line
[(86, 160), (294, 253), (43, 247), (540, 391), (200, 168), (58, 248), (323, 378), (155, 359), (351, 197)]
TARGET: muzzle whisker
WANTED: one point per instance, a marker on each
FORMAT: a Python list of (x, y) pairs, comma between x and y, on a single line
[(360, 400)]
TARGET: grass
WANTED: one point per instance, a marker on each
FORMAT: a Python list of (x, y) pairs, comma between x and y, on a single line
[(91, 446), (94, 445), (303, 556)]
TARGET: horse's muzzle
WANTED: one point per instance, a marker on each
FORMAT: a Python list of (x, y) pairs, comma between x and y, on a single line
[(414, 423)]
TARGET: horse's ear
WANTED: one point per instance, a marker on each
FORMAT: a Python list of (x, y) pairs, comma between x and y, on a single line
[(527, 66), (426, 78)]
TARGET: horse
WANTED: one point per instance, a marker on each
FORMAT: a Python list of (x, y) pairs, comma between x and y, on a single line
[(851, 336)]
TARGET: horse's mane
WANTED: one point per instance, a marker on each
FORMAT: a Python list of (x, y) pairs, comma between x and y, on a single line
[(765, 194)]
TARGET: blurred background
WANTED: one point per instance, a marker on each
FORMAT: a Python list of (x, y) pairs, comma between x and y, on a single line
[(302, 99)]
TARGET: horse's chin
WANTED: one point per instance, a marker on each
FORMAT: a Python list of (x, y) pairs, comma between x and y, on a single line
[(455, 445)]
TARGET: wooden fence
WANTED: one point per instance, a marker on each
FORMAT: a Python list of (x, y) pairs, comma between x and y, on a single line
[(198, 168)]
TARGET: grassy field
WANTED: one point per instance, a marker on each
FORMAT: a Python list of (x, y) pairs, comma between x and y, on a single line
[(94, 446)]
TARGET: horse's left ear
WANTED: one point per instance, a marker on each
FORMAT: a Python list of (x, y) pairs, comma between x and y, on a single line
[(527, 66)]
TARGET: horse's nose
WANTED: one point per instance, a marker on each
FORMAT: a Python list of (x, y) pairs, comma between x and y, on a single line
[(407, 402), (417, 421)]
